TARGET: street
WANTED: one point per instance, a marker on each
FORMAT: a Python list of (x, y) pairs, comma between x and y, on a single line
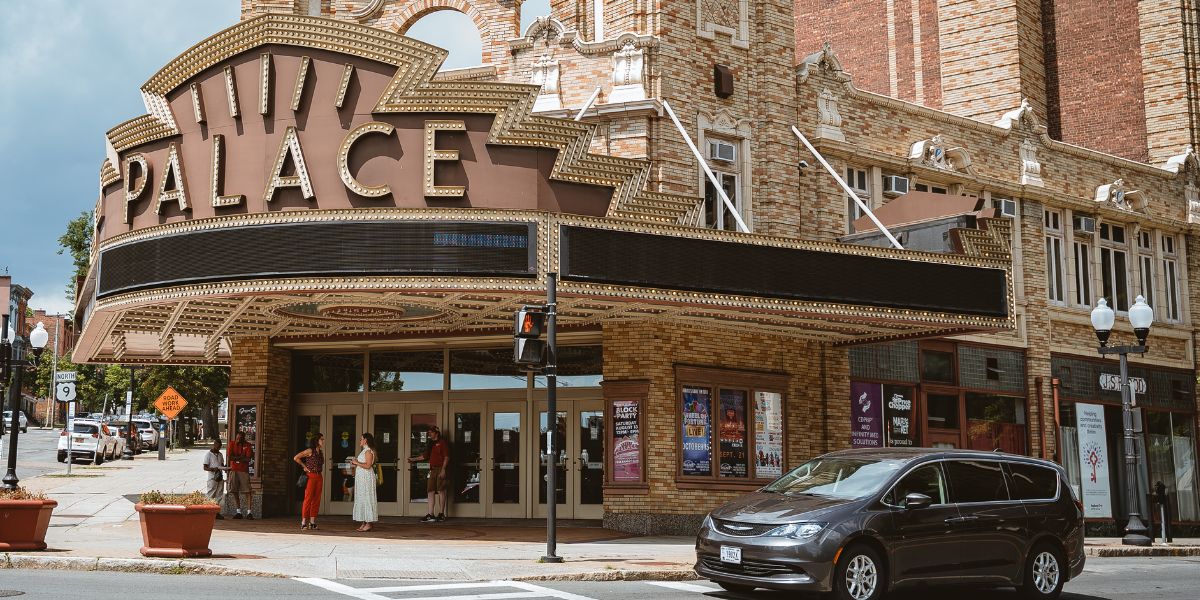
[(1104, 579), (37, 454)]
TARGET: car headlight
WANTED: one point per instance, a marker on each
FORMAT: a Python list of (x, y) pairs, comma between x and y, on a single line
[(796, 531), (707, 523)]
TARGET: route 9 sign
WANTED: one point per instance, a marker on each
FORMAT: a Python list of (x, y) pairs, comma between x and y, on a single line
[(1112, 383), (64, 392)]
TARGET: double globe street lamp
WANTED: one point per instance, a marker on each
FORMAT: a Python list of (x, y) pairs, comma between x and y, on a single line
[(37, 340), (1141, 317)]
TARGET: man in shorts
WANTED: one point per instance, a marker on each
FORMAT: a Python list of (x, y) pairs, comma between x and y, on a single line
[(241, 453), (214, 464), (438, 455)]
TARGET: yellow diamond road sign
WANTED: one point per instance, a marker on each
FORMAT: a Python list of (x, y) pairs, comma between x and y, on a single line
[(170, 403)]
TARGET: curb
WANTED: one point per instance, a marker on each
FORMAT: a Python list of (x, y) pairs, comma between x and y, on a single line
[(127, 565), (1136, 551), (616, 575)]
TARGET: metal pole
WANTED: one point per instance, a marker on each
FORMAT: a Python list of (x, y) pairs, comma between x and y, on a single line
[(551, 421), (134, 438), (1135, 530), (587, 105), (707, 171), (53, 374), (14, 392)]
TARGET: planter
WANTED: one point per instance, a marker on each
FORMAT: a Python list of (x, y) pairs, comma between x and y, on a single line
[(174, 531), (23, 524)]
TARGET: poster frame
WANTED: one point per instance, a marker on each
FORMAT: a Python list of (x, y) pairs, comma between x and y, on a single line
[(248, 396), (635, 390)]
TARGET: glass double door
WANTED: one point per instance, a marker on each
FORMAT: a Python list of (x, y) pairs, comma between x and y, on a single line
[(402, 431), (578, 434), (342, 427), (488, 459)]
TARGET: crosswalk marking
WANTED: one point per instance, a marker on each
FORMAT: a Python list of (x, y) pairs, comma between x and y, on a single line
[(529, 590), (683, 587), (338, 588)]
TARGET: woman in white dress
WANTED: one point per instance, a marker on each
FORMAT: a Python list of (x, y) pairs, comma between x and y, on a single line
[(366, 508)]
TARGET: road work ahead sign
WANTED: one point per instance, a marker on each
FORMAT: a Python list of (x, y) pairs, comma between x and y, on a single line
[(170, 403)]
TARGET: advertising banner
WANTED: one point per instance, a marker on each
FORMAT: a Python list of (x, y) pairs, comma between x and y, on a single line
[(627, 448), (900, 420), (866, 415), (1093, 461), (768, 434), (697, 431), (733, 434)]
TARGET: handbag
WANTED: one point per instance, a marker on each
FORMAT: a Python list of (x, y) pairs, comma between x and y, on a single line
[(302, 482)]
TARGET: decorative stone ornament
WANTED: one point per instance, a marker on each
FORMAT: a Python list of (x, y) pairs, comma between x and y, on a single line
[(1117, 195), (1031, 169), (627, 79), (1188, 165), (545, 74), (934, 153), (727, 17), (829, 120), (1022, 117)]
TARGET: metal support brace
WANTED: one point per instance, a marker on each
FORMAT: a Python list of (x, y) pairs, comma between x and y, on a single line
[(587, 105)]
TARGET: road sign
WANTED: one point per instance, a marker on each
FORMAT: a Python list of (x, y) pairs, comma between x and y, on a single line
[(64, 392), (64, 376), (170, 403)]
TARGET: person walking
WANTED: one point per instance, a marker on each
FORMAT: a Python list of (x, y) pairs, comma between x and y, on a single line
[(312, 461), (438, 455), (241, 453), (366, 508), (214, 464)]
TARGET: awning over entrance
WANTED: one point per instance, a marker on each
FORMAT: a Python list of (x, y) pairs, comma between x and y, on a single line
[(335, 191)]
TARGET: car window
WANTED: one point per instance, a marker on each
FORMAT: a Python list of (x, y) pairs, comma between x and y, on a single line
[(848, 478), (85, 428), (1031, 482), (926, 480), (976, 481)]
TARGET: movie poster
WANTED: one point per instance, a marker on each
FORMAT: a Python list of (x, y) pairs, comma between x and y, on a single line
[(246, 421), (733, 434), (697, 431), (899, 417), (866, 415), (768, 435), (627, 448)]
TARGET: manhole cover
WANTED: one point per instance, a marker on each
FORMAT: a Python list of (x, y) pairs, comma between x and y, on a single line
[(10, 593)]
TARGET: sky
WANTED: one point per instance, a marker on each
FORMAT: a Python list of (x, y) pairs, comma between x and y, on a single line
[(69, 71)]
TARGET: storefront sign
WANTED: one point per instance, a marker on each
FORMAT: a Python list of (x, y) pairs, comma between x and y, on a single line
[(866, 415), (768, 434), (1093, 461), (733, 433), (697, 432), (899, 417), (627, 446), (1112, 383)]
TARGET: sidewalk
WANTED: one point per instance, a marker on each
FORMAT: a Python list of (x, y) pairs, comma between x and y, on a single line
[(1108, 547), (96, 527)]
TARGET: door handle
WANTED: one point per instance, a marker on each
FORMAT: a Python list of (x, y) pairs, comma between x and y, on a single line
[(956, 520)]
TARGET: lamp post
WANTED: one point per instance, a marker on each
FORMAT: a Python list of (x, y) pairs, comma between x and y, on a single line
[(1141, 316), (133, 446), (37, 340)]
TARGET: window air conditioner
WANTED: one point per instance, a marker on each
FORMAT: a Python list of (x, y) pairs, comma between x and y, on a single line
[(1005, 206), (894, 185), (722, 151), (1085, 224)]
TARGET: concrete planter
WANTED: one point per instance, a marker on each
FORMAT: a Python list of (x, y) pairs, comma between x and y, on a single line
[(23, 524), (174, 531)]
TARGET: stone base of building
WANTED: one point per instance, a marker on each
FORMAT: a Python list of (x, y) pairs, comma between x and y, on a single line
[(653, 523)]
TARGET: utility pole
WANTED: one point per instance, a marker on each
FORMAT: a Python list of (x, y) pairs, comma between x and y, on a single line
[(54, 372)]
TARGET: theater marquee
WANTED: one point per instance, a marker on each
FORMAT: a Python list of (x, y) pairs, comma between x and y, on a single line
[(301, 177)]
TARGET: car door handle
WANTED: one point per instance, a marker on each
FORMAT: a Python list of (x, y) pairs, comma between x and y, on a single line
[(956, 520)]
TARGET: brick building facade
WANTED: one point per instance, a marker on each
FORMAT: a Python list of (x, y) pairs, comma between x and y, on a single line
[(348, 353)]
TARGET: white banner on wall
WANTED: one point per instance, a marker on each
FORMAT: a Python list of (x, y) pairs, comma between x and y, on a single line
[(1093, 461)]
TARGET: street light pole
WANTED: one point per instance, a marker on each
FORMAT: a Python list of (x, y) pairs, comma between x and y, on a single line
[(37, 340), (134, 438), (551, 371), (1141, 316)]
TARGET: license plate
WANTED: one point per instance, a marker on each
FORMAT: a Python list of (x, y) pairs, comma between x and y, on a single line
[(731, 554), (78, 440)]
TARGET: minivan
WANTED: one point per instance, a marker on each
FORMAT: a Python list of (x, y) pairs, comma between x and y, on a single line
[(860, 523)]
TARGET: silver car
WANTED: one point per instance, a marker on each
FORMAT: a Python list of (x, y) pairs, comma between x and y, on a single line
[(24, 423)]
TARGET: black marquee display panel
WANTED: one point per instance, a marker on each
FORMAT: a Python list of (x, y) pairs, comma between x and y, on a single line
[(322, 249), (675, 263)]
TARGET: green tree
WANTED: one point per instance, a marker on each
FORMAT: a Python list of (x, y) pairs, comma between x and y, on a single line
[(203, 388), (78, 241)]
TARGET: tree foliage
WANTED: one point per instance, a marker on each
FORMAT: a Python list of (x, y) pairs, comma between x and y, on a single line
[(77, 240)]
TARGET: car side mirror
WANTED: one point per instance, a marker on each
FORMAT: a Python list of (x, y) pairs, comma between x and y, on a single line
[(915, 501)]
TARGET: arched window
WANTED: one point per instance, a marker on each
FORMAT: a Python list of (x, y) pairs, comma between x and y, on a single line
[(453, 31)]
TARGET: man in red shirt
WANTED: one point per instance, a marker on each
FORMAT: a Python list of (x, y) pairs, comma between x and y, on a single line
[(438, 455), (241, 454)]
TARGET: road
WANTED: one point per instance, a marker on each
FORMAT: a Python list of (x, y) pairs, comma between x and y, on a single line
[(37, 454), (1104, 579)]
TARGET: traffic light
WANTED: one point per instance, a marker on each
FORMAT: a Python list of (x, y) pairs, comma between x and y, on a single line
[(528, 347)]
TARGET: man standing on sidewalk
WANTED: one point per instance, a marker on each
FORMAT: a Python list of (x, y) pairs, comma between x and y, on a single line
[(438, 455), (214, 464), (240, 455)]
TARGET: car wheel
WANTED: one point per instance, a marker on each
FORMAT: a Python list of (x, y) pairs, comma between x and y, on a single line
[(735, 587), (859, 575), (98, 458), (24, 430), (1044, 573), (62, 457)]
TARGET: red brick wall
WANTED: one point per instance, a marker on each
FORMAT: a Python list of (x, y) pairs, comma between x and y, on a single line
[(931, 58), (1094, 75), (858, 32)]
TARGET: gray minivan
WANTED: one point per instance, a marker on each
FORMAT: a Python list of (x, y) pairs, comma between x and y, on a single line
[(862, 522)]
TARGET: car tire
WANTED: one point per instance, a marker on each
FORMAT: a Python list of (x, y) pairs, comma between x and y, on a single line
[(859, 574), (98, 458), (62, 457), (1044, 574), (735, 587), (24, 430)]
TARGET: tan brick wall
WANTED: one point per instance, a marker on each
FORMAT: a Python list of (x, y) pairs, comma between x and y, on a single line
[(259, 365)]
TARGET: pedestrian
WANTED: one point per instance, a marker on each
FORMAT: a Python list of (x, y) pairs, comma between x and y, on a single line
[(312, 461), (214, 464), (438, 455), (241, 453), (366, 508)]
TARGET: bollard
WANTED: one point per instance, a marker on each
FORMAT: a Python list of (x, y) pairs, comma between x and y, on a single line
[(162, 447)]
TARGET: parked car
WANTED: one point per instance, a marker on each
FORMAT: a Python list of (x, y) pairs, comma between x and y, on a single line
[(20, 417), (862, 522), (148, 432), (119, 442), (120, 430), (88, 439)]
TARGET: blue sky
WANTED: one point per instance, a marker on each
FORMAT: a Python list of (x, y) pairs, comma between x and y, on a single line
[(69, 71)]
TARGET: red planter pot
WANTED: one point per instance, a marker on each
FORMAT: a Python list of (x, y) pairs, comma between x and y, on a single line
[(173, 531), (23, 524)]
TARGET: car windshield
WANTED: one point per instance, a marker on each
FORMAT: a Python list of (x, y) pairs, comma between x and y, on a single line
[(847, 478), (85, 428)]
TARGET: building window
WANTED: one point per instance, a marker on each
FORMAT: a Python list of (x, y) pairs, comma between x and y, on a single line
[(1055, 279), (407, 371), (858, 180), (317, 373), (1145, 257), (1083, 273), (716, 214), (995, 421), (1170, 274), (1114, 267), (933, 189), (485, 369), (1170, 449), (716, 408), (937, 366)]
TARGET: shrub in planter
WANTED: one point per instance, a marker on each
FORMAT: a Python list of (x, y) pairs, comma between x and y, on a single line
[(176, 525), (24, 519)]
